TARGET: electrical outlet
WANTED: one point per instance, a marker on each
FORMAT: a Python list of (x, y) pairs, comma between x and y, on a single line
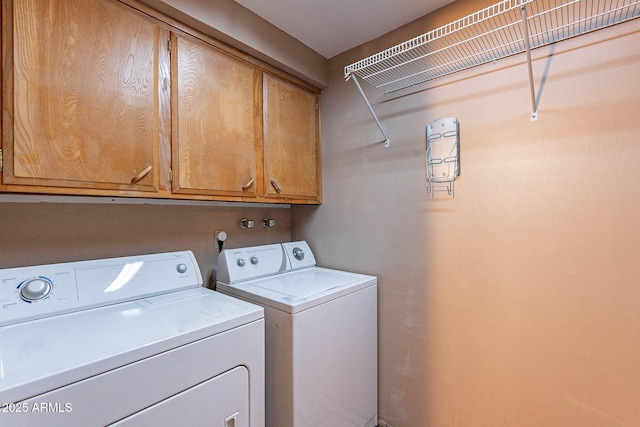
[(220, 235)]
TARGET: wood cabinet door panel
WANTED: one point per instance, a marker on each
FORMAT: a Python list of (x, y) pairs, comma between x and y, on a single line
[(291, 141), (216, 128), (84, 97)]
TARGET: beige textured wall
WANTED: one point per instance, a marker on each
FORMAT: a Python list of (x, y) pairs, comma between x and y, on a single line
[(42, 233), (517, 302)]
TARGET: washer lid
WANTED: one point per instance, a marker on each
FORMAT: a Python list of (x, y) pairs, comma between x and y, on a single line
[(299, 290), (44, 354)]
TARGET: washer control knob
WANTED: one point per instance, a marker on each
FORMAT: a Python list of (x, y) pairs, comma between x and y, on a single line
[(240, 262), (298, 254), (181, 268), (254, 260), (35, 289)]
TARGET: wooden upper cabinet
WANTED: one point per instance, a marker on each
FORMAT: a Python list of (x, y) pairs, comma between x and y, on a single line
[(80, 103), (291, 142), (101, 98), (216, 121)]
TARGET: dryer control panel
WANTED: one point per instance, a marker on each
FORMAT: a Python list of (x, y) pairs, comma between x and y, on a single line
[(28, 293)]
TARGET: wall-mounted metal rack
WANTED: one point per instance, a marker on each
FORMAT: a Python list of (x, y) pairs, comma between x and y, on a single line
[(442, 158), (504, 29)]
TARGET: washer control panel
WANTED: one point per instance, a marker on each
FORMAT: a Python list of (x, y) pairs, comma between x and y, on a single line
[(238, 265), (28, 293)]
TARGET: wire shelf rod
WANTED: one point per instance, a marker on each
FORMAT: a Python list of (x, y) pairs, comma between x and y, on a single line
[(444, 65), (458, 43), (465, 22), (489, 30)]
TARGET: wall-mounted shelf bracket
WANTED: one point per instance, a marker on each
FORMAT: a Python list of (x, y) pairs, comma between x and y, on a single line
[(355, 80), (527, 48)]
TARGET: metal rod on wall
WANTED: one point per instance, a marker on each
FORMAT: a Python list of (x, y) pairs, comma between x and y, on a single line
[(355, 80), (527, 45)]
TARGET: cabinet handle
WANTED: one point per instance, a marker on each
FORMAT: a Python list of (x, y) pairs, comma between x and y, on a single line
[(141, 175), (276, 186), (247, 185)]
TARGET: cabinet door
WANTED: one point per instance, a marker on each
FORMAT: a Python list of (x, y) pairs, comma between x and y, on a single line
[(81, 104), (216, 125), (291, 150)]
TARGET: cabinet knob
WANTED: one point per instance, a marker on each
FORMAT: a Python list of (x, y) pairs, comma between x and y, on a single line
[(248, 184), (276, 186), (141, 175)]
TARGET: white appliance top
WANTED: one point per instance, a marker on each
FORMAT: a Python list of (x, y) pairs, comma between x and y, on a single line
[(105, 333), (284, 276)]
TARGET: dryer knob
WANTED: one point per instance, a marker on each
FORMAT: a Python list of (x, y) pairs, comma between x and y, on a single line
[(254, 260), (240, 262), (298, 254), (35, 289)]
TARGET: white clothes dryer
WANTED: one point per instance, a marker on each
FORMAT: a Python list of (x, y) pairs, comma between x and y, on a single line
[(321, 334), (132, 341)]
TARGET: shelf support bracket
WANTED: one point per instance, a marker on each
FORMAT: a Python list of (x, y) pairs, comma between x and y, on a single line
[(527, 45), (386, 138)]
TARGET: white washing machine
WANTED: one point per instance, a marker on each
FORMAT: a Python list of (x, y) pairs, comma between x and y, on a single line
[(321, 334), (133, 341)]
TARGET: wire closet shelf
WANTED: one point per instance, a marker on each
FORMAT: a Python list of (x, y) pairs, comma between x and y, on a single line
[(506, 28)]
